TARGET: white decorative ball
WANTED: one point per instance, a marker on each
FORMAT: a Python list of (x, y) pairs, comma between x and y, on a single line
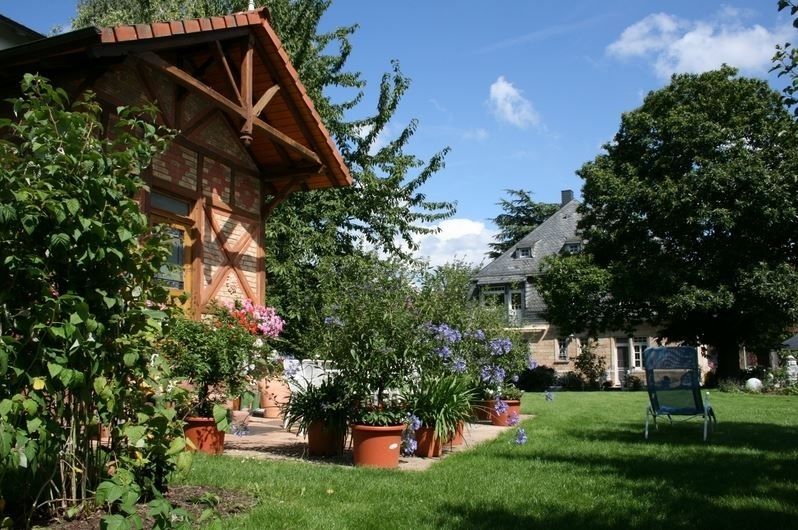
[(753, 385)]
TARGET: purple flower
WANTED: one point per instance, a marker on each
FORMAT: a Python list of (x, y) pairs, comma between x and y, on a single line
[(492, 375), (409, 446), (500, 347), (445, 333), (513, 419), (531, 363), (479, 334), (498, 375), (414, 422), (333, 321), (459, 365), (486, 373), (500, 406), (514, 378), (520, 436), (444, 352)]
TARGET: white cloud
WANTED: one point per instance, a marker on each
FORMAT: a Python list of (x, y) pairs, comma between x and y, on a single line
[(462, 239), (676, 45), (479, 134), (510, 106)]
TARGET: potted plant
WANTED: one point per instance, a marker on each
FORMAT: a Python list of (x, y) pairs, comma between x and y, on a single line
[(506, 408), (442, 404), (371, 332), (216, 358), (322, 412)]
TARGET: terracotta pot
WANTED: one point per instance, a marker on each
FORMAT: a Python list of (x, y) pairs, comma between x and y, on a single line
[(274, 393), (481, 409), (500, 420), (204, 435), (428, 445), (377, 446), (458, 438), (323, 441), (234, 404)]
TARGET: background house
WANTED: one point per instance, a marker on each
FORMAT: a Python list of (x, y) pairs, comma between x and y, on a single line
[(12, 33), (508, 281), (248, 134)]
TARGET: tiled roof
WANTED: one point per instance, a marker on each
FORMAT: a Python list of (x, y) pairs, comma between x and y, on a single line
[(133, 32)]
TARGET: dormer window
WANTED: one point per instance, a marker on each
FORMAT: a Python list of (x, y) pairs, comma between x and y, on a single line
[(524, 252), (572, 248)]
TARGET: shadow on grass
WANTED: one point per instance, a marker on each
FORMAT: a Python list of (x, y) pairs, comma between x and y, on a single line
[(751, 481)]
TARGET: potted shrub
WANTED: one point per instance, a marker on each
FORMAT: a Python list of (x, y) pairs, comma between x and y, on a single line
[(370, 331), (217, 358), (322, 412), (442, 404)]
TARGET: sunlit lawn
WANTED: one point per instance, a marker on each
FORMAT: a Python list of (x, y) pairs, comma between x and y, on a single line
[(586, 465)]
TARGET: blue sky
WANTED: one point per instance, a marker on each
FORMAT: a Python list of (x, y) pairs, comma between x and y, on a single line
[(524, 93)]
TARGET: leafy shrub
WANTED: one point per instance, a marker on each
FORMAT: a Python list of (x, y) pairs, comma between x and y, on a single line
[(537, 379), (591, 366), (632, 382), (572, 381)]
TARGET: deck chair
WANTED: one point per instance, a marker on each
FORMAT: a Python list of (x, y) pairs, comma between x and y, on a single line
[(672, 381)]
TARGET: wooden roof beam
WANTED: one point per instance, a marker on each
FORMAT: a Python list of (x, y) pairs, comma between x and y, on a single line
[(230, 107), (221, 58)]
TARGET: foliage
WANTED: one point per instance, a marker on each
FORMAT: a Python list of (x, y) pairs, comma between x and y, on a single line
[(370, 329), (537, 379), (691, 220), (591, 366), (219, 358), (572, 381), (440, 402), (76, 291), (632, 382), (330, 402), (785, 60), (521, 216), (385, 207)]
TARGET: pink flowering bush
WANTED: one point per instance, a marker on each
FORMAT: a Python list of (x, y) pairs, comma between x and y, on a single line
[(257, 319)]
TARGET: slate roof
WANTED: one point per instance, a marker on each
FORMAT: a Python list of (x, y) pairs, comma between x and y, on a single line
[(791, 343), (547, 239)]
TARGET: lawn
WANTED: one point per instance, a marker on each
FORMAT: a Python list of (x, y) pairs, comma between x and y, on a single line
[(585, 465)]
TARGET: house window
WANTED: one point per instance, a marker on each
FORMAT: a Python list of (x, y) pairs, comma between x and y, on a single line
[(572, 248), (174, 212), (494, 297), (562, 348), (639, 345), (516, 300), (525, 252)]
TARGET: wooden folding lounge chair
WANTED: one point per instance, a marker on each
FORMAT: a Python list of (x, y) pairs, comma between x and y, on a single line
[(672, 381)]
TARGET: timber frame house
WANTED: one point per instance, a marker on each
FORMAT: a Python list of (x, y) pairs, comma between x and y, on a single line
[(249, 135)]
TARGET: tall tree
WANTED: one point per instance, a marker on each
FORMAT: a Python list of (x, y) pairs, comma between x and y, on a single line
[(385, 208), (691, 219), (785, 61), (521, 216)]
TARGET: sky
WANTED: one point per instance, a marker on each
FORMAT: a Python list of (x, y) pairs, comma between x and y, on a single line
[(523, 92)]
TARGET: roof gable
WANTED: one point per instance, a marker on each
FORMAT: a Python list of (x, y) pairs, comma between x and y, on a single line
[(546, 239)]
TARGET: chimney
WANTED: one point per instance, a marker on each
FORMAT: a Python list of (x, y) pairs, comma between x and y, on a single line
[(567, 196)]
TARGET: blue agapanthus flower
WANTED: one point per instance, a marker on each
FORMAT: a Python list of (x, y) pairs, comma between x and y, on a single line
[(500, 406), (459, 365), (446, 333), (444, 352), (492, 375), (414, 422), (513, 419), (531, 363), (520, 436), (409, 446), (479, 334), (500, 347)]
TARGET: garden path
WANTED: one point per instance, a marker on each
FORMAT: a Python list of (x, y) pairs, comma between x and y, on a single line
[(268, 440)]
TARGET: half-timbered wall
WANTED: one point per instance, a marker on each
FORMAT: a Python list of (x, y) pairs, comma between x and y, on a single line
[(207, 166)]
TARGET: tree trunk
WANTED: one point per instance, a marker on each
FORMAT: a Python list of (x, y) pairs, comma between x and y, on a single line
[(728, 359)]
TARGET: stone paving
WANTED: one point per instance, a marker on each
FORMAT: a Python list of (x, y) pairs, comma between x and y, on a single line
[(267, 439)]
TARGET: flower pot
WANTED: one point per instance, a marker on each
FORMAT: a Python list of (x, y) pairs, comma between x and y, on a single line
[(458, 438), (377, 446), (428, 445), (324, 441), (204, 435), (274, 393), (234, 404), (501, 420), (482, 409)]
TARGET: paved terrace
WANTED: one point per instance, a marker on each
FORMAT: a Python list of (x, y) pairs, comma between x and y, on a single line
[(268, 440)]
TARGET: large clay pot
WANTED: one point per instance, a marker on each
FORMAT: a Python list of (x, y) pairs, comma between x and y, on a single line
[(427, 444), (481, 409), (324, 441), (501, 420), (377, 446), (274, 394), (204, 435), (458, 438)]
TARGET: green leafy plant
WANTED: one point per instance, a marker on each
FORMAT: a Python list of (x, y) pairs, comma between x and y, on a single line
[(441, 403), (590, 365), (330, 402), (78, 298)]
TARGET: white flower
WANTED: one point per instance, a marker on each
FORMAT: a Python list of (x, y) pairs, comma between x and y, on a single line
[(258, 343)]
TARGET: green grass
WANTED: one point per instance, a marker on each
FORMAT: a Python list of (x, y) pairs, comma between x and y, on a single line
[(586, 465)]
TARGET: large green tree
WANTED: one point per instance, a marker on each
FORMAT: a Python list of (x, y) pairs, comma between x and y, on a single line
[(691, 220), (520, 216), (385, 208)]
